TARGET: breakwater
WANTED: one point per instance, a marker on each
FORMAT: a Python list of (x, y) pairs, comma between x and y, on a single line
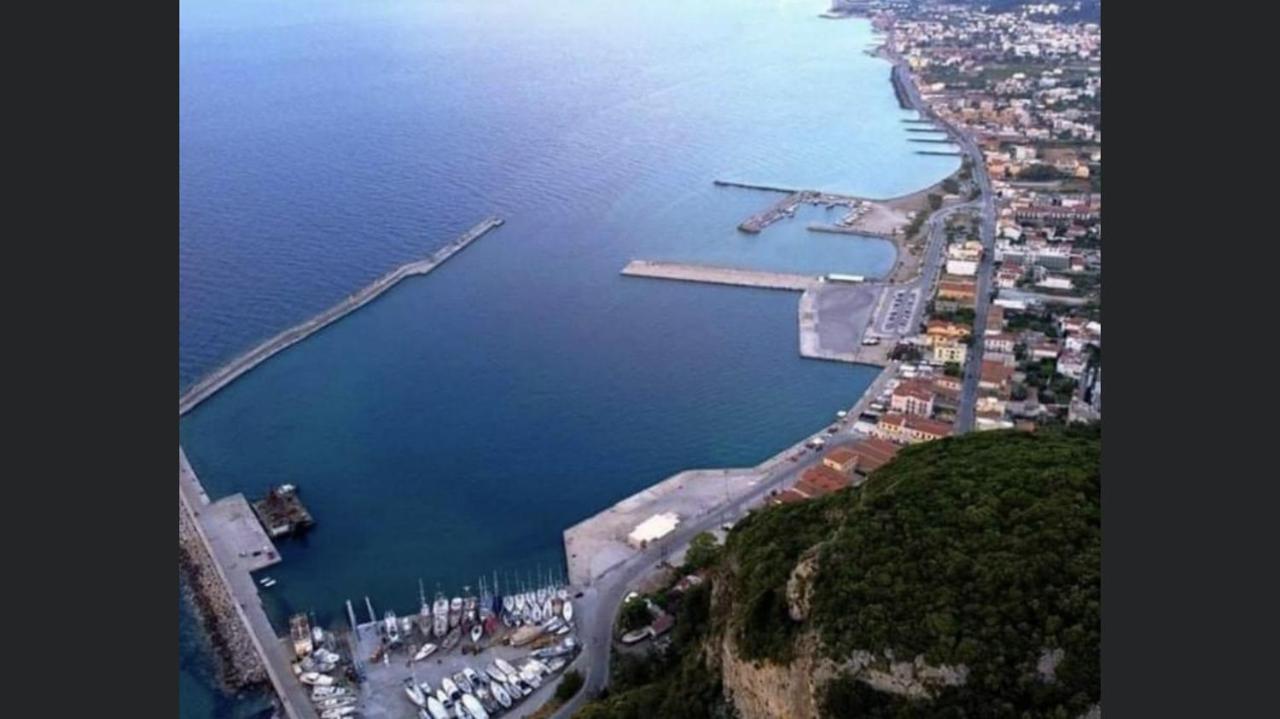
[(236, 658), (229, 372), (753, 186), (845, 230), (720, 275)]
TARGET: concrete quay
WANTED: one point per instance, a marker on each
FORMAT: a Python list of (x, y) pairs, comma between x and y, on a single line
[(236, 545), (720, 275), (228, 373), (833, 320)]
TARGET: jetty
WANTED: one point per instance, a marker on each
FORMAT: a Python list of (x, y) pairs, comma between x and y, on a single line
[(935, 130), (720, 275), (848, 230), (939, 152), (754, 186), (939, 140), (228, 373)]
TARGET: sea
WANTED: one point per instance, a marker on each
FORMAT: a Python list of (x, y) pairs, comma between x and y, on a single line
[(451, 430)]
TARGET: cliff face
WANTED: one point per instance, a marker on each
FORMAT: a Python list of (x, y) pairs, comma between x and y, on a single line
[(963, 577)]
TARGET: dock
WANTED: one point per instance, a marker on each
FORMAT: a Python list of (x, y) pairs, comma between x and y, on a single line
[(718, 275), (935, 130), (282, 512), (234, 369), (939, 140), (234, 544), (939, 152)]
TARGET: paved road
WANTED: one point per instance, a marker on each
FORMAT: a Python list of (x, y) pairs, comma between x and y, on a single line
[(599, 603), (973, 368)]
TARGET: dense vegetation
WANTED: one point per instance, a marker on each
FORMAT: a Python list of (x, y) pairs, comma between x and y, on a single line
[(983, 550), (674, 682)]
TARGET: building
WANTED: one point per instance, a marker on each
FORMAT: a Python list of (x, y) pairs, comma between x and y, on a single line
[(942, 331), (999, 342), (995, 377), (873, 454), (945, 352), (655, 527), (841, 459), (913, 397), (820, 480), (910, 429), (966, 268), (958, 289), (995, 320), (1072, 364)]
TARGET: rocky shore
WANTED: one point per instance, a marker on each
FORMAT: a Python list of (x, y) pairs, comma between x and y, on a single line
[(237, 661)]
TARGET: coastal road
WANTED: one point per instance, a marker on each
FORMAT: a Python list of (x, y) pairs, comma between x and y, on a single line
[(973, 368), (599, 603)]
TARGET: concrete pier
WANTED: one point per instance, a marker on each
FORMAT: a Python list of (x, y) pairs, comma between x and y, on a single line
[(237, 545), (720, 275), (228, 373), (939, 152)]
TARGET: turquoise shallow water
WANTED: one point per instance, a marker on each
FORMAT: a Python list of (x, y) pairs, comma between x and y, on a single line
[(457, 425)]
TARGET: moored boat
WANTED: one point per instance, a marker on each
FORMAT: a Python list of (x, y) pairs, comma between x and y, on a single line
[(477, 631)]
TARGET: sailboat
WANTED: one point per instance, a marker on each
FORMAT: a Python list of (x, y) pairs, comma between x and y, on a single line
[(440, 614)]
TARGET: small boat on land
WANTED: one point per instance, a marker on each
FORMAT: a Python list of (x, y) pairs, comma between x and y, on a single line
[(440, 616), (477, 631), (531, 678), (316, 679), (473, 677), (502, 665), (496, 674), (392, 627), (463, 683), (451, 640), (474, 707), (416, 696), (500, 693), (426, 651), (436, 709), (455, 612), (567, 611), (555, 664), (443, 697), (450, 688)]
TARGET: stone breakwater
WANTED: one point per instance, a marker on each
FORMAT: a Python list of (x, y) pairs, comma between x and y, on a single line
[(236, 658)]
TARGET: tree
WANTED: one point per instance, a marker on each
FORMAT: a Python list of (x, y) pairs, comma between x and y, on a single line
[(952, 369), (569, 685), (935, 201), (634, 615), (703, 551), (950, 186)]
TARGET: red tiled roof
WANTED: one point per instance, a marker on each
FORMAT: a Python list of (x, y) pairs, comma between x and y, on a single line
[(874, 453), (841, 455)]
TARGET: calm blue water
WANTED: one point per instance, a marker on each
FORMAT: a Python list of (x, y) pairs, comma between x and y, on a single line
[(456, 426)]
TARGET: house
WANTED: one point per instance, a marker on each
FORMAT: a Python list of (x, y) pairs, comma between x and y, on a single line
[(1072, 364), (945, 384), (1005, 358), (1007, 277), (1044, 349), (995, 376), (819, 480), (942, 331), (841, 459), (1056, 283), (984, 421), (913, 397), (910, 429), (789, 496), (873, 454), (950, 352), (995, 320), (999, 342), (967, 268), (958, 289)]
